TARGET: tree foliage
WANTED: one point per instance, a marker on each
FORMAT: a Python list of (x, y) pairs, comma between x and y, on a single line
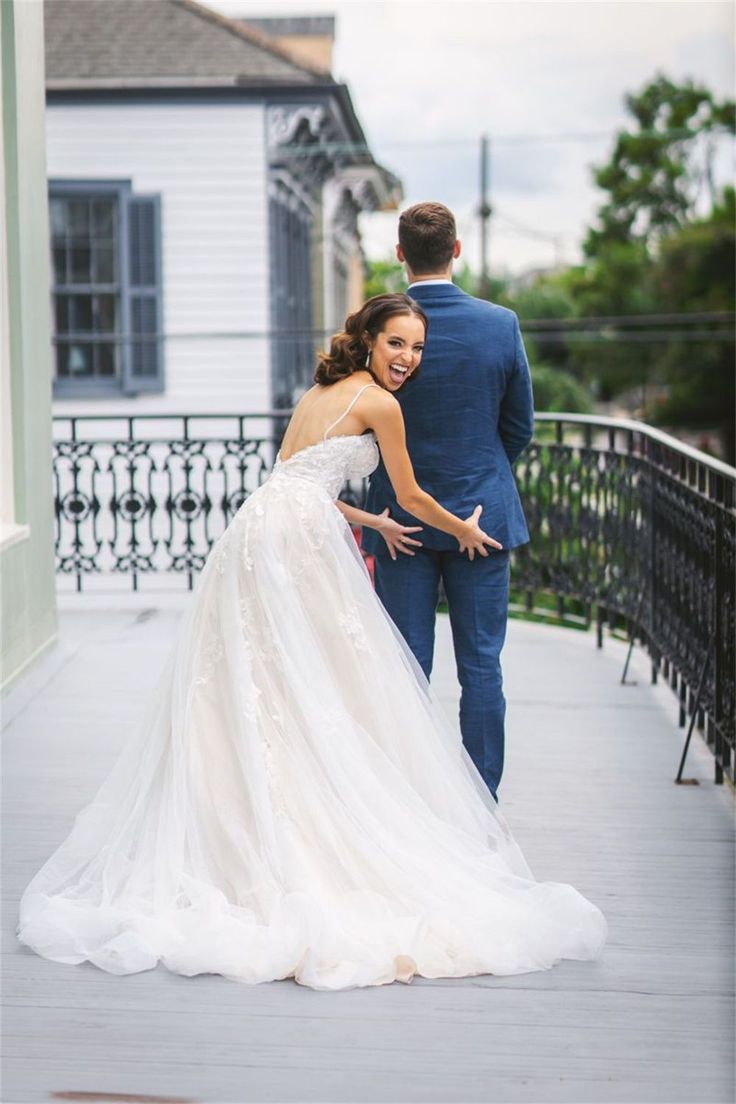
[(386, 275), (661, 165), (557, 391), (546, 300), (663, 243), (695, 272)]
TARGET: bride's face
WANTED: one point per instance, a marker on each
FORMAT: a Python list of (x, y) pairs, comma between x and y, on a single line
[(397, 350)]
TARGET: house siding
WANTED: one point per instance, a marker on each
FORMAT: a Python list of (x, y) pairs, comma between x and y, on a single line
[(208, 164)]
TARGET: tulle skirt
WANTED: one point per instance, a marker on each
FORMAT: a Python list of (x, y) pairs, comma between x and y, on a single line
[(294, 802)]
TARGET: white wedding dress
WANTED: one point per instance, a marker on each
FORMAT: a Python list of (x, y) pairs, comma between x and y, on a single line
[(295, 803)]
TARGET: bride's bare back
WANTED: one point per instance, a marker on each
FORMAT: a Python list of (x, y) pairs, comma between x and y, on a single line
[(319, 408)]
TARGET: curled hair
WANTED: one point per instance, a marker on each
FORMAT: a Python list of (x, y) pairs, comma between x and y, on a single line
[(348, 350)]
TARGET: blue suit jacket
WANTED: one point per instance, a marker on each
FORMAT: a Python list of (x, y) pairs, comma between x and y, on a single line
[(468, 416)]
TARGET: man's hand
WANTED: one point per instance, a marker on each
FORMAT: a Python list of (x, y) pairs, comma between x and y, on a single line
[(476, 540), (397, 536)]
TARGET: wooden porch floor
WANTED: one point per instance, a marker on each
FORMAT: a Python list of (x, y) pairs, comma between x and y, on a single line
[(589, 794)]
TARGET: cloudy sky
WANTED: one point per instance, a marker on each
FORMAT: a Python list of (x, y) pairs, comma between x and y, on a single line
[(544, 80)]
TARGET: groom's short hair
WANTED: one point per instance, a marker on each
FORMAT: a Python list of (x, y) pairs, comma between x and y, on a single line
[(427, 236)]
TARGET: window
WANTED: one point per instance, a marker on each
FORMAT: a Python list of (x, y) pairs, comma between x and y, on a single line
[(106, 257)]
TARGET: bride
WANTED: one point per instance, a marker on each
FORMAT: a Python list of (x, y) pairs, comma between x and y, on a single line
[(294, 803)]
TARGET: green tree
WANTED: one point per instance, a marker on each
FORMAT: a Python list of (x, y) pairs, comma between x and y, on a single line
[(615, 283), (661, 164), (384, 276), (695, 272), (659, 175), (546, 299), (557, 391)]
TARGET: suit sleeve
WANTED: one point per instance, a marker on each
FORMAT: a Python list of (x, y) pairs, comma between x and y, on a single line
[(516, 421)]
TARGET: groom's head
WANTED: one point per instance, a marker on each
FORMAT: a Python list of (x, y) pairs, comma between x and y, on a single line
[(428, 241)]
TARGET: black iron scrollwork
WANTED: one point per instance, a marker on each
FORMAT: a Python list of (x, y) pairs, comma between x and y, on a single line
[(629, 527)]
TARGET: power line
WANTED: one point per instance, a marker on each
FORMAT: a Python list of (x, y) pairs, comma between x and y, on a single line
[(528, 231), (605, 327), (624, 337), (319, 149), (687, 318)]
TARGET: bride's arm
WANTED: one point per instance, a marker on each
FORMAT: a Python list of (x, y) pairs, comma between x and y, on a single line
[(384, 416), (396, 536)]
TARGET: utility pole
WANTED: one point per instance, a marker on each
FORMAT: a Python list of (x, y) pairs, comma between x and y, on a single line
[(485, 211)]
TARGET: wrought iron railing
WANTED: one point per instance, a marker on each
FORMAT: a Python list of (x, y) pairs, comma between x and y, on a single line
[(639, 530), (630, 527)]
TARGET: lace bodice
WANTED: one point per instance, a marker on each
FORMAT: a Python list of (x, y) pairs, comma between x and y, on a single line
[(331, 462)]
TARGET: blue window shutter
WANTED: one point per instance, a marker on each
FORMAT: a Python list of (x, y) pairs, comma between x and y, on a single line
[(144, 355)]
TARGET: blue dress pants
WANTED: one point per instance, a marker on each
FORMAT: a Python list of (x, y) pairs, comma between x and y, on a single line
[(477, 596)]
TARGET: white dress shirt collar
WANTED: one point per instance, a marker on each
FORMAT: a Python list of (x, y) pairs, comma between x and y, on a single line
[(428, 283)]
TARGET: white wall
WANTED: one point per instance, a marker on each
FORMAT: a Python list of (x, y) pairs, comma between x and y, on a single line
[(208, 162)]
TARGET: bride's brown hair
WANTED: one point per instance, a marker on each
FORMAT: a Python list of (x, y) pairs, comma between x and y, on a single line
[(348, 350)]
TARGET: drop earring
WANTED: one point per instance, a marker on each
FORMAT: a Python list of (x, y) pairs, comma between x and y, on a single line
[(368, 360)]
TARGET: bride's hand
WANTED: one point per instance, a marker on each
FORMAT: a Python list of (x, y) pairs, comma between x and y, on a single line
[(476, 540), (397, 536)]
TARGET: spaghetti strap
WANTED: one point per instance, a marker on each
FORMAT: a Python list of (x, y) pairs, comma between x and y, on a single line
[(352, 403)]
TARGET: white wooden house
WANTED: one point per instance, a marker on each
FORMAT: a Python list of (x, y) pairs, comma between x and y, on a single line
[(204, 189)]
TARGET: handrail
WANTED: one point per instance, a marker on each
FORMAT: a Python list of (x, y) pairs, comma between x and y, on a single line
[(604, 422), (644, 430)]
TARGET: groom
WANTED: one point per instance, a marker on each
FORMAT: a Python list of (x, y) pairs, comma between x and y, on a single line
[(468, 417)]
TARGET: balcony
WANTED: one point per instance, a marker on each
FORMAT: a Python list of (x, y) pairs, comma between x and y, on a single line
[(631, 566)]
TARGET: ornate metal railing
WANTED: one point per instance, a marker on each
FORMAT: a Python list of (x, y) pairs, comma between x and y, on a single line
[(638, 529), (630, 527)]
